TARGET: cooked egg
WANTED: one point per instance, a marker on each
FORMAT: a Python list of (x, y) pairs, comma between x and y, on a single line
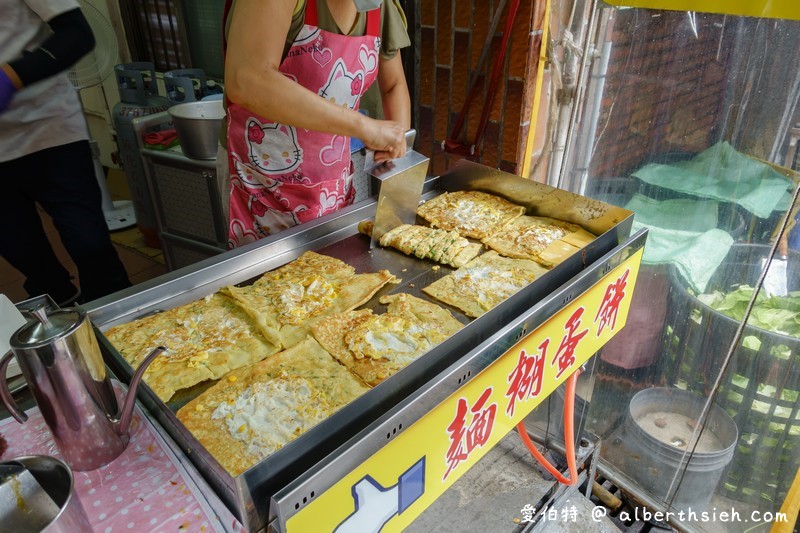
[(489, 286), (387, 336), (301, 298), (534, 239), (270, 413), (471, 214)]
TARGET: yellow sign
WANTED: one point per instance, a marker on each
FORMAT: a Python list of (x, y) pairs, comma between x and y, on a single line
[(391, 488), (776, 9)]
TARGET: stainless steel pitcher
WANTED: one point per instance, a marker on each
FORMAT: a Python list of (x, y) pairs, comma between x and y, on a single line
[(61, 361)]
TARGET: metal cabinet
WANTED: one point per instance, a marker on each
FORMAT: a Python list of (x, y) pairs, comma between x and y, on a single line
[(191, 221), (185, 195), (189, 213)]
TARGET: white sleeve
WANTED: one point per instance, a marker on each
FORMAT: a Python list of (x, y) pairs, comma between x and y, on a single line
[(47, 9)]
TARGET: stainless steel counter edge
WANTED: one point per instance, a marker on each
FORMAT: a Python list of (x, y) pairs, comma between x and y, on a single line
[(195, 281), (300, 492)]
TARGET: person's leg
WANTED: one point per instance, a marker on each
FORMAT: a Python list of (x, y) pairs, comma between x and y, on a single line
[(72, 198), (23, 242)]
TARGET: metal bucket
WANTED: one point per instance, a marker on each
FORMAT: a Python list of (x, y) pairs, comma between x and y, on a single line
[(44, 498), (658, 460), (198, 125)]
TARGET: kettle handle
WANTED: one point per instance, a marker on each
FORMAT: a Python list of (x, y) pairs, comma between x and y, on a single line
[(5, 394)]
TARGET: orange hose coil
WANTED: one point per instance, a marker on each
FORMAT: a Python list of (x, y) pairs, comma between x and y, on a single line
[(569, 437)]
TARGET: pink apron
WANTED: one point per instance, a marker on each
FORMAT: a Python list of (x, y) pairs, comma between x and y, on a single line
[(282, 176)]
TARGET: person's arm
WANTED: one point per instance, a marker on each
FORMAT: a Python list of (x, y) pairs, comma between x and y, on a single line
[(394, 91), (72, 38), (394, 97), (253, 80)]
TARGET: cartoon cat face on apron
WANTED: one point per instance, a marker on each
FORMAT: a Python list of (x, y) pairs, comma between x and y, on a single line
[(282, 176)]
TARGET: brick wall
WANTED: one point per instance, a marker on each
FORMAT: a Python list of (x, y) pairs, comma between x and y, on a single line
[(664, 90), (452, 35)]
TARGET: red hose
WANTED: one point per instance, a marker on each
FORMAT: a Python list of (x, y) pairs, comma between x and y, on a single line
[(569, 437)]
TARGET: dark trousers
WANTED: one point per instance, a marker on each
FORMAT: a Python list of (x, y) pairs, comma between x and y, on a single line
[(62, 180)]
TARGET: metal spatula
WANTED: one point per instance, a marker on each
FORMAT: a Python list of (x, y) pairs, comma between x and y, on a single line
[(401, 181), (24, 504)]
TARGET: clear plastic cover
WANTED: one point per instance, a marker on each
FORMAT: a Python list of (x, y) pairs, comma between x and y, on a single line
[(692, 121)]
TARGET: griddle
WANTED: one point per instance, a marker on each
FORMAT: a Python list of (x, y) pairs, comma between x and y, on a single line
[(273, 490)]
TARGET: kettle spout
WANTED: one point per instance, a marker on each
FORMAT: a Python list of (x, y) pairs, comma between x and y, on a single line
[(130, 400)]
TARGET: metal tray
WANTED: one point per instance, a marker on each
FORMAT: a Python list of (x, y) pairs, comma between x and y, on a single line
[(249, 495)]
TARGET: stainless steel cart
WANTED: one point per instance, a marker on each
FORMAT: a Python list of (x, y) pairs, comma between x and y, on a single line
[(298, 477)]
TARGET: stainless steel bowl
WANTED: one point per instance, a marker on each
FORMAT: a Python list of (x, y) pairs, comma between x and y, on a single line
[(198, 124), (37, 494)]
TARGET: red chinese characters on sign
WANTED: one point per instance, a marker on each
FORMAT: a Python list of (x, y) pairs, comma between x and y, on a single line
[(609, 307), (526, 378), (565, 356), (466, 435)]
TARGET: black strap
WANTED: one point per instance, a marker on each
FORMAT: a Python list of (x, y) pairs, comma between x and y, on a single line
[(71, 40)]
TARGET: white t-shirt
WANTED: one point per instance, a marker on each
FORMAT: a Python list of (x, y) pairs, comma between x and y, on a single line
[(47, 113)]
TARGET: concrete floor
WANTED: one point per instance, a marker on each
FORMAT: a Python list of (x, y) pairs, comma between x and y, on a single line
[(491, 496)]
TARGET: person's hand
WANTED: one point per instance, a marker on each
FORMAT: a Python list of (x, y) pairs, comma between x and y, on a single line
[(7, 90), (386, 137)]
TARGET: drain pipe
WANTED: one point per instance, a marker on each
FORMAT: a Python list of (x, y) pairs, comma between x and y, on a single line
[(572, 69), (586, 143), (565, 97)]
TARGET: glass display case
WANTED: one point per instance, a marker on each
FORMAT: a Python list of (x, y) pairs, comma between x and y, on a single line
[(690, 120)]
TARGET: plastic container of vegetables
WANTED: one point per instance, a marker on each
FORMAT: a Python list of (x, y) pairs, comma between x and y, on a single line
[(761, 388)]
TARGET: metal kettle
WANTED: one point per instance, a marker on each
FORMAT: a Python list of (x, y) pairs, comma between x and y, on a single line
[(61, 360)]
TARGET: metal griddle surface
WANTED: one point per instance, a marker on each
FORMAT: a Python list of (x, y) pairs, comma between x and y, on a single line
[(413, 273), (336, 236)]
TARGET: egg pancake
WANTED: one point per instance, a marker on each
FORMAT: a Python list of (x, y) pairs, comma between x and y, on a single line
[(205, 339), (441, 246), (284, 301), (256, 410), (471, 213), (375, 346), (484, 282), (544, 240), (407, 239)]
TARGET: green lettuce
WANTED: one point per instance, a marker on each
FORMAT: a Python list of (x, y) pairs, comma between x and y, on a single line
[(776, 314)]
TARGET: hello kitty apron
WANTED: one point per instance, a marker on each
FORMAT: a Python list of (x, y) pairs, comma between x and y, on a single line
[(282, 176)]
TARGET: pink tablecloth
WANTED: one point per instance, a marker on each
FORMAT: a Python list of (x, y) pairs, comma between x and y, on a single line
[(144, 489)]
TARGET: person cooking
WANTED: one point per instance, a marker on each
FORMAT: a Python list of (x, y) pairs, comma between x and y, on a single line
[(295, 73)]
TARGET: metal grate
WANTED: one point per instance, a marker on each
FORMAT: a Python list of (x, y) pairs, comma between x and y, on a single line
[(361, 180), (182, 257), (203, 21), (186, 203), (155, 33)]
